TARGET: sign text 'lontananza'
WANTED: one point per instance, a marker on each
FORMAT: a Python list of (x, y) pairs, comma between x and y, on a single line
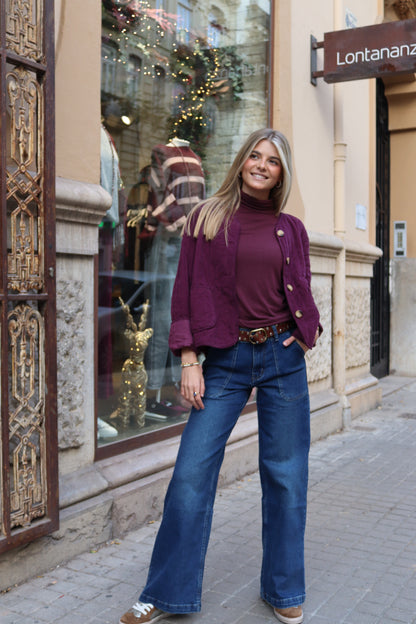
[(368, 52)]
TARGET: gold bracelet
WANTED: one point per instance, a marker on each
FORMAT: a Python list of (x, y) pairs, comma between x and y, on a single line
[(185, 364)]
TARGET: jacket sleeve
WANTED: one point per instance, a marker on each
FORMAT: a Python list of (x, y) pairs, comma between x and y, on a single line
[(305, 249), (180, 335), (308, 277)]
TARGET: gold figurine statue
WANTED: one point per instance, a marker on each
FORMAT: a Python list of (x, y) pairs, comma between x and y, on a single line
[(132, 397)]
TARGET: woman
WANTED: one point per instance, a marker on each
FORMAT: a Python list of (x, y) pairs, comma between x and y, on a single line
[(242, 297)]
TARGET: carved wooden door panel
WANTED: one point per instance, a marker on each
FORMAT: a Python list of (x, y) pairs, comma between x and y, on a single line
[(28, 435)]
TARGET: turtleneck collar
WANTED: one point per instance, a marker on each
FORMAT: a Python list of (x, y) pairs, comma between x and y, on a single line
[(248, 201)]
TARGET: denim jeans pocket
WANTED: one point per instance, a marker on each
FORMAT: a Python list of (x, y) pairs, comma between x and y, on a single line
[(300, 347), (218, 367), (291, 370)]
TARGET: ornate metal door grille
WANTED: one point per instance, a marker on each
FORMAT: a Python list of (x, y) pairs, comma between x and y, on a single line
[(28, 435)]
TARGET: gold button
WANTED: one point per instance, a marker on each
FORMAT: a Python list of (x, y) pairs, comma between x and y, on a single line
[(280, 233), (287, 260), (290, 287), (298, 314)]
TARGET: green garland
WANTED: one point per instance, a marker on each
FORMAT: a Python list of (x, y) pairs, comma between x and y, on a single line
[(201, 75)]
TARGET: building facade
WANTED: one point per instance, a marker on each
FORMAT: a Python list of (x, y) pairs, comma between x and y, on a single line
[(151, 101), (400, 97)]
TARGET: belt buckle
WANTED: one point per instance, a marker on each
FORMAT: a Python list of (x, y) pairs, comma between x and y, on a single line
[(261, 339)]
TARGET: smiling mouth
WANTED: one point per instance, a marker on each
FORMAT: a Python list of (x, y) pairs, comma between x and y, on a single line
[(258, 176)]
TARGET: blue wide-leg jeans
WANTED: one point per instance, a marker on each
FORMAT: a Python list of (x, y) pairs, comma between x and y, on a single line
[(174, 582)]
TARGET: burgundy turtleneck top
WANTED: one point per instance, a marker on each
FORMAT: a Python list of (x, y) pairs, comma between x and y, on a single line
[(261, 298)]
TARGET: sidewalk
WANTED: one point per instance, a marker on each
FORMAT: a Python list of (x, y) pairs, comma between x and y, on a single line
[(360, 545)]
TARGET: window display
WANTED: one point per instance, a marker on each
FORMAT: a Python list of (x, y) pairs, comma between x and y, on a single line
[(181, 83)]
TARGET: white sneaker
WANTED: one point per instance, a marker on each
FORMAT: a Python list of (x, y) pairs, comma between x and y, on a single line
[(290, 615), (142, 612)]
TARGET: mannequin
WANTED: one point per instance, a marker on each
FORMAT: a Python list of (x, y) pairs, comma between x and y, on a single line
[(175, 142), (110, 180), (110, 174), (176, 185)]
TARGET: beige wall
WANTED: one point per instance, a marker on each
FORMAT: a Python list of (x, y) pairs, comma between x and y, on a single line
[(78, 74), (403, 186), (402, 124), (281, 113), (357, 136), (312, 109), (306, 113)]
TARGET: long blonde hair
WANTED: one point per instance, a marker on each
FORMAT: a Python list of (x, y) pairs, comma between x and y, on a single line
[(218, 210)]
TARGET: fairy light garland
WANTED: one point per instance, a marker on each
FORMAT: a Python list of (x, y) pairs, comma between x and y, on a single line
[(194, 67), (130, 25), (196, 72)]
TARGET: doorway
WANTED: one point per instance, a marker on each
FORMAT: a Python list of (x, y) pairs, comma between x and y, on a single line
[(380, 291)]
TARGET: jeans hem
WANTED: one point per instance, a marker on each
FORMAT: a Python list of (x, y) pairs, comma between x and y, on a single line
[(169, 607), (282, 603)]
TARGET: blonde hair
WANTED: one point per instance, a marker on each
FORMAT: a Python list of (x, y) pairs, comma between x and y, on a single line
[(217, 211)]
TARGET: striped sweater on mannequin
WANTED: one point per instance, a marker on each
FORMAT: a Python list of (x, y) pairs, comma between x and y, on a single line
[(176, 184)]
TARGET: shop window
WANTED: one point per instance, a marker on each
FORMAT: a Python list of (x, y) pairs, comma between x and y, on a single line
[(185, 93), (109, 56), (215, 28), (133, 76), (159, 87), (183, 22)]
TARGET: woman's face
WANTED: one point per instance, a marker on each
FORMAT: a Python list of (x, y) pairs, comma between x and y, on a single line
[(262, 170)]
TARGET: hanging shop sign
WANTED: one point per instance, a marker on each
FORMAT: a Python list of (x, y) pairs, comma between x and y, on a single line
[(367, 52)]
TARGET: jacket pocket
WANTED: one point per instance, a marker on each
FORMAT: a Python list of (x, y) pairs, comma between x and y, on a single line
[(203, 314)]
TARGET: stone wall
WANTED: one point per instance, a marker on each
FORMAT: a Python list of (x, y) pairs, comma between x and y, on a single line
[(403, 316), (71, 354), (79, 208)]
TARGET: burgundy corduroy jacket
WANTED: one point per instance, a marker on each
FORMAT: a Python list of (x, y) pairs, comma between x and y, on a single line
[(204, 301)]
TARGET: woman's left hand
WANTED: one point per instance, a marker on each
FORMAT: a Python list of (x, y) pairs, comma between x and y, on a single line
[(291, 339)]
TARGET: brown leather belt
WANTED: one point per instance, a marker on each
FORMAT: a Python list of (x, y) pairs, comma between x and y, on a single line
[(261, 334)]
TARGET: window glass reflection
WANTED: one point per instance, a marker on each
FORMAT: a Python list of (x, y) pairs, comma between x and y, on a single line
[(181, 83)]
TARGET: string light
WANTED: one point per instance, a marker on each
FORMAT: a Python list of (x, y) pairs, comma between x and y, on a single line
[(125, 23), (187, 61)]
